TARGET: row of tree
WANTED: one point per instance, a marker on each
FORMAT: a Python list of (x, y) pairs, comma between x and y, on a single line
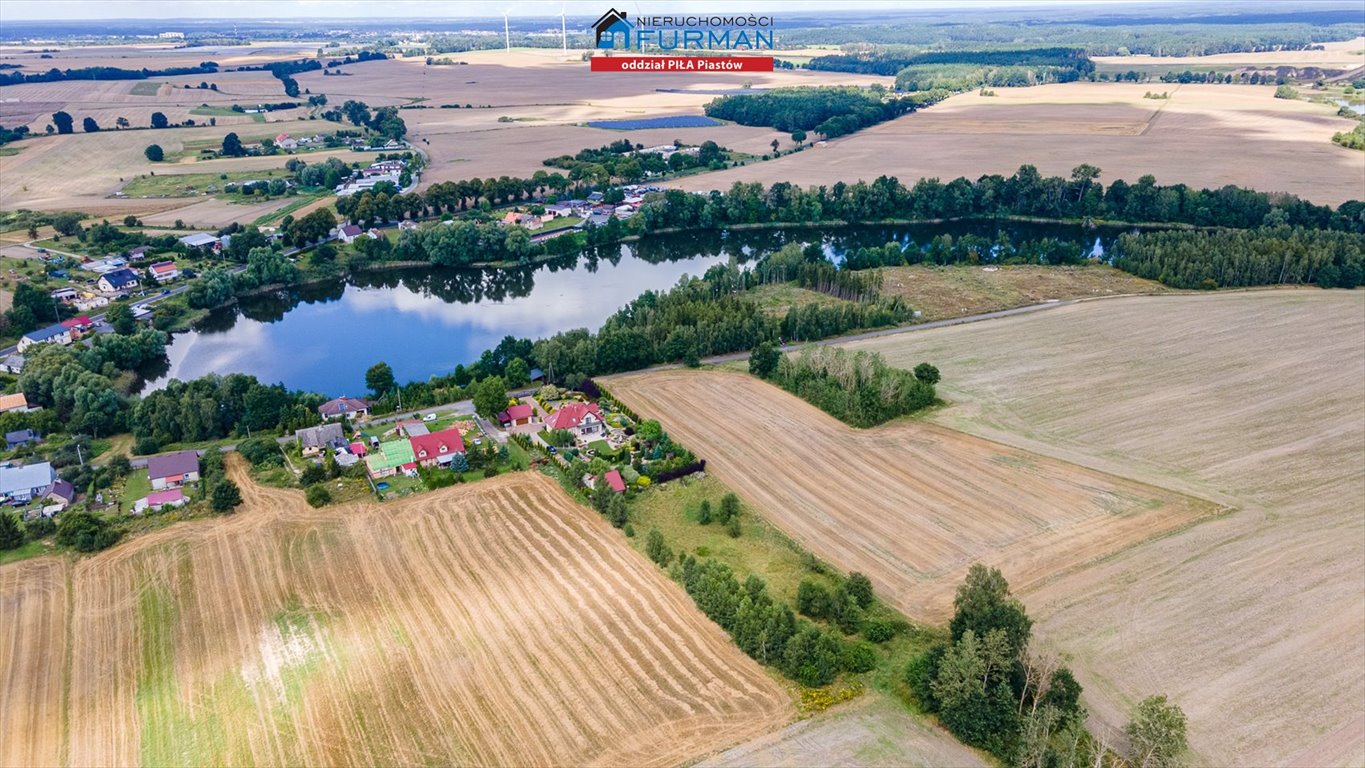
[(629, 163), (827, 110), (1237, 258)]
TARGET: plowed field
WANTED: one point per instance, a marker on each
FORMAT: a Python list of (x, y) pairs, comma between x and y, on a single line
[(494, 624), (911, 505)]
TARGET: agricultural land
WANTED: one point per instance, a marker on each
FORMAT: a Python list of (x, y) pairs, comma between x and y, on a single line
[(1255, 400), (497, 624)]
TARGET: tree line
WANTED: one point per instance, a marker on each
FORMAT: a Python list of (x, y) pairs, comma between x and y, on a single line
[(1238, 258), (105, 73), (827, 110), (628, 162)]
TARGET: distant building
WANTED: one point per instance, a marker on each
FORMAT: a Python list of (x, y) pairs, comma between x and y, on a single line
[(172, 470), (352, 407), (65, 295), (140, 252), (313, 441), (53, 334), (200, 240)]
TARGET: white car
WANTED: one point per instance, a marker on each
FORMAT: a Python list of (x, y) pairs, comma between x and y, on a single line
[(429, 417)]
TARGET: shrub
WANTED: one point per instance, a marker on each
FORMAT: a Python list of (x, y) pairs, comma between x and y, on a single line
[(260, 450), (39, 527), (704, 514), (11, 536), (859, 657), (812, 599), (860, 587), (318, 495), (225, 496), (729, 507), (85, 531), (733, 528), (920, 674), (313, 473), (656, 549), (879, 631)]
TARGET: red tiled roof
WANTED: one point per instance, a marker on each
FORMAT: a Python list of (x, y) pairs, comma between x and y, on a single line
[(165, 497), (358, 449), (163, 266), (79, 321), (571, 414), (517, 412), (614, 480), (443, 443)]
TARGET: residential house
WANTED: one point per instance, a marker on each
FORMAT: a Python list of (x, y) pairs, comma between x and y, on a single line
[(160, 500), (53, 334), (521, 219), (62, 495), (89, 301), (139, 253), (614, 481), (584, 420), (314, 440), (165, 271), (355, 408), (15, 402), (200, 240), (437, 448), (20, 438), (558, 211), (23, 484), (348, 233), (172, 470), (406, 224), (13, 364), (393, 456), (518, 415), (118, 280), (373, 233)]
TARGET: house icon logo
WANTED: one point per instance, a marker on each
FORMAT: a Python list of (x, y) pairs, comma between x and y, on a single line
[(610, 27)]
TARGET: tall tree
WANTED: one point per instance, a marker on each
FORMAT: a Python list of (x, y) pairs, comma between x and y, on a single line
[(232, 146), (1157, 734), (90, 125), (159, 120), (63, 122), (379, 378), (490, 396)]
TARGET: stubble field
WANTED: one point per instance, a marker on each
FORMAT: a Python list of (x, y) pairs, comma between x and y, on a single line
[(912, 505), (495, 624), (1204, 136), (1251, 622)]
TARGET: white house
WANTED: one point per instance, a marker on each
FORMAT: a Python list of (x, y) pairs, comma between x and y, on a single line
[(118, 280), (23, 484), (53, 334), (165, 271), (348, 233)]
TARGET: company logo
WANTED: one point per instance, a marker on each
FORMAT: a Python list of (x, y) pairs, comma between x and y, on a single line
[(612, 27), (695, 33)]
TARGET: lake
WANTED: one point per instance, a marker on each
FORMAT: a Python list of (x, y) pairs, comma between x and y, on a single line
[(425, 322)]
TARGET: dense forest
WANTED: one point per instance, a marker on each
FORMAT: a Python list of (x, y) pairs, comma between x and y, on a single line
[(104, 73), (829, 111), (858, 388), (959, 70), (1229, 259)]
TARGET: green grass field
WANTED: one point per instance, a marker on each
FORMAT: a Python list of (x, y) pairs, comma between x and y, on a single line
[(226, 112), (135, 486), (778, 298), (24, 551), (146, 88), (196, 184)]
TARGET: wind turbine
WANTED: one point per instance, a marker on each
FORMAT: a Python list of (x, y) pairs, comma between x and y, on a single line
[(563, 31), (505, 33)]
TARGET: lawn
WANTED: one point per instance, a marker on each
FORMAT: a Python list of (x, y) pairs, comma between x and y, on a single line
[(25, 551), (195, 184), (226, 112), (135, 486), (563, 222), (777, 298)]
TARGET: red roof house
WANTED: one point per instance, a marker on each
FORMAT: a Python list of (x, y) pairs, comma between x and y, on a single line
[(517, 415), (614, 481), (358, 449), (79, 323), (581, 418), (437, 447)]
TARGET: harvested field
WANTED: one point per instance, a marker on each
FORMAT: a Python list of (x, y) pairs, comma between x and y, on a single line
[(40, 177), (872, 732), (1342, 54), (1204, 135), (958, 291), (911, 505), (492, 624), (1251, 622)]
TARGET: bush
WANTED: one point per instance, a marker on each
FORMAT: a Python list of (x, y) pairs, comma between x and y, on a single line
[(860, 588), (704, 514), (225, 496), (920, 674), (879, 631), (313, 473), (859, 657), (154, 153), (656, 549), (729, 507), (318, 496), (11, 537), (39, 527), (85, 531), (260, 450), (733, 528), (145, 446), (812, 599)]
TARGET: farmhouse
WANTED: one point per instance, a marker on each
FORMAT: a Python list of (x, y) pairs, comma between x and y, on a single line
[(344, 406), (314, 440), (200, 240), (582, 419), (15, 402), (518, 415), (348, 233), (160, 500), (23, 484), (390, 458), (172, 470), (118, 280), (53, 334), (165, 271), (437, 448)]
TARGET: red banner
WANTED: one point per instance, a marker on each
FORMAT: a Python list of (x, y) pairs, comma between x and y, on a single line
[(682, 64)]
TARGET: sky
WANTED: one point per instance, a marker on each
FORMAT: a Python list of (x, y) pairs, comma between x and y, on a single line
[(67, 10)]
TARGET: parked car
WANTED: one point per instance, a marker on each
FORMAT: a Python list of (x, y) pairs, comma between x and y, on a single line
[(429, 417)]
